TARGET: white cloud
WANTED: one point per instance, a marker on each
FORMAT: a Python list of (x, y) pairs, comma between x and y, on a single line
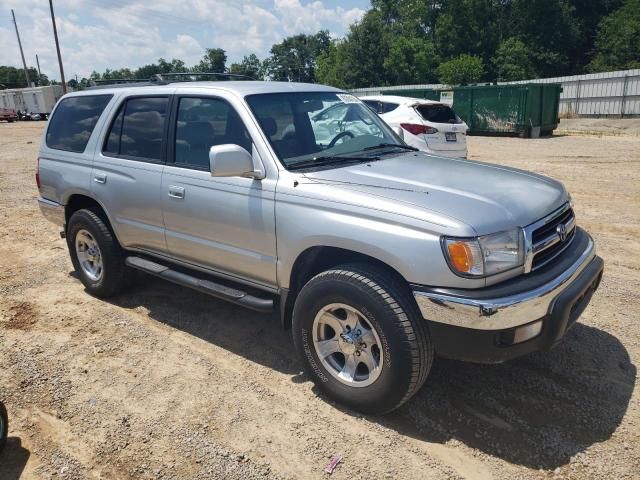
[(99, 34)]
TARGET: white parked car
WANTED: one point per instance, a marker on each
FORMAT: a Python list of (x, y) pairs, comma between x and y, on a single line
[(344, 119), (431, 126)]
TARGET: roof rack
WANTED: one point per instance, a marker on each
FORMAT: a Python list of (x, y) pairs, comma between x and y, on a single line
[(193, 76), (165, 79)]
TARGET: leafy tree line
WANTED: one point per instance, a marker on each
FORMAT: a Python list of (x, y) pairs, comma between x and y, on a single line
[(468, 41), (11, 77), (293, 59), (432, 41)]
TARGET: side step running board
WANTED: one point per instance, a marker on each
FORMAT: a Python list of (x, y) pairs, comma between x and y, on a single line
[(205, 286)]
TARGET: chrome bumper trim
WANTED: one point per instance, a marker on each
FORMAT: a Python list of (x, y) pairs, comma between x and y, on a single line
[(500, 313), (52, 211)]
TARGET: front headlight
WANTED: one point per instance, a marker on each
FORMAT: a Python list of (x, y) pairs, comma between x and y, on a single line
[(486, 255)]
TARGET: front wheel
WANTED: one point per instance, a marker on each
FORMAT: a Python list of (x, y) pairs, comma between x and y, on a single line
[(361, 338)]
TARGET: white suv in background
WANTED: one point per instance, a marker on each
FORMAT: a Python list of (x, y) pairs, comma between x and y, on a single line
[(431, 126)]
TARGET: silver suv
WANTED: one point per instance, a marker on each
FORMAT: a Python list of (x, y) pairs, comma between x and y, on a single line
[(379, 257)]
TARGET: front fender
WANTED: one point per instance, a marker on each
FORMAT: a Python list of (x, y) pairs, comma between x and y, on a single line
[(409, 246)]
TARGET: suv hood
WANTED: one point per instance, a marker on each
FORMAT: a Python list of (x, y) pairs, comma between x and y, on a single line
[(488, 198)]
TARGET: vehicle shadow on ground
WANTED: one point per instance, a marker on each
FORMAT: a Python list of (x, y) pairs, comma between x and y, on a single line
[(537, 411), (13, 459)]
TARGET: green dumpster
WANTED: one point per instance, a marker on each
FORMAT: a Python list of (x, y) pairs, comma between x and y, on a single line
[(529, 109)]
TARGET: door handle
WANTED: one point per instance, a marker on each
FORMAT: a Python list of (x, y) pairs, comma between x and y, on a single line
[(176, 192), (100, 178)]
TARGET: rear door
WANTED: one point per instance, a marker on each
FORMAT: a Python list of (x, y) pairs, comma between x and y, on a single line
[(127, 170), (226, 224), (452, 130)]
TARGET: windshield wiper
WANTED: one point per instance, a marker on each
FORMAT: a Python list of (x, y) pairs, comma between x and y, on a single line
[(398, 145), (329, 160)]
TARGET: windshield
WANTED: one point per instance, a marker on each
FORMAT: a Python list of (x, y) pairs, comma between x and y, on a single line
[(306, 126)]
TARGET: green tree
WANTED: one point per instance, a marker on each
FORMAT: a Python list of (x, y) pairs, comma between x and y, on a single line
[(12, 77), (145, 72), (461, 70), (174, 66), (358, 60), (618, 41), (468, 26), (331, 66), (249, 66), (512, 61), (295, 58), (549, 29), (411, 60), (213, 61)]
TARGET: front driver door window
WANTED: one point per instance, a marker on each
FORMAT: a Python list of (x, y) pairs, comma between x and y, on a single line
[(203, 123)]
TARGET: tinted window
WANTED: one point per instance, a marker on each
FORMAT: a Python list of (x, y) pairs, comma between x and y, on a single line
[(74, 121), (374, 105), (112, 144), (389, 107), (203, 123), (137, 130), (438, 114)]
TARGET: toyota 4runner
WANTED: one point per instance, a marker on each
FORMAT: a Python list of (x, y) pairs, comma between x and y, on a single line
[(377, 256)]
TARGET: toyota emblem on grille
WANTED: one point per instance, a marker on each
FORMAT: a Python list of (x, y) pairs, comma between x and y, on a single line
[(561, 230)]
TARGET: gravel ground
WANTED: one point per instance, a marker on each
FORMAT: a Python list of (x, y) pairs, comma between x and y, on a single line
[(600, 126), (164, 382)]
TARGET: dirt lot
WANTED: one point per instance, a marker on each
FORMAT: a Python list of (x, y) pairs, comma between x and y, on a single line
[(164, 382)]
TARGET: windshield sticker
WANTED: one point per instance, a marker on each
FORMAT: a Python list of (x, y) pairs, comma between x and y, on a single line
[(346, 98)]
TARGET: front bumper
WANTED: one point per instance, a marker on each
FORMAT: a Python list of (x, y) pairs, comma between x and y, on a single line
[(52, 211), (479, 325)]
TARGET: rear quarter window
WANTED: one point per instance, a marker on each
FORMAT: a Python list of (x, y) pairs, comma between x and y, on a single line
[(438, 114), (389, 107), (73, 122)]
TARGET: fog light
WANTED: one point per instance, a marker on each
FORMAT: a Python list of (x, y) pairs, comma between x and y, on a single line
[(527, 332)]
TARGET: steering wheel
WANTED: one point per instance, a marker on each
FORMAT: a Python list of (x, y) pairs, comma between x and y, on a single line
[(346, 133)]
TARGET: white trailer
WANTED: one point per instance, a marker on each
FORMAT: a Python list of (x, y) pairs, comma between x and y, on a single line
[(32, 100)]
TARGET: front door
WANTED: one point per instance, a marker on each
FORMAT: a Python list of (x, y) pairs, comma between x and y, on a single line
[(226, 224)]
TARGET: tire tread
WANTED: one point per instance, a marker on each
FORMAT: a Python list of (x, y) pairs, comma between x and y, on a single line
[(400, 305)]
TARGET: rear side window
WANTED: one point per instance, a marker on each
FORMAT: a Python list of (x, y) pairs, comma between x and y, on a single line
[(389, 107), (138, 129), (374, 105), (438, 114), (74, 121)]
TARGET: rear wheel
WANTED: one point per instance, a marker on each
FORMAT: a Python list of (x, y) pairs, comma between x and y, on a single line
[(361, 338), (96, 254)]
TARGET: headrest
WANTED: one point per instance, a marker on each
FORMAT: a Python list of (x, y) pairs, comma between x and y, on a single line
[(269, 126)]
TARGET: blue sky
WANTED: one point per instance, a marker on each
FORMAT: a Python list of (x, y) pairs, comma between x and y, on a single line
[(99, 34)]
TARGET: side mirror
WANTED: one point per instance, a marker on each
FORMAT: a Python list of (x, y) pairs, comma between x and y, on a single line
[(231, 161), (399, 131)]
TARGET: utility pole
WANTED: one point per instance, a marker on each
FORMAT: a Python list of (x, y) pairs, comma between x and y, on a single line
[(55, 34), (24, 64), (39, 72)]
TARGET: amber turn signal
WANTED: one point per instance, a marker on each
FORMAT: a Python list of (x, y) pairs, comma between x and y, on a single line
[(461, 256)]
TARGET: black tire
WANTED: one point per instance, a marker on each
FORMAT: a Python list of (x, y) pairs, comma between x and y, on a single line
[(4, 426), (386, 303), (115, 276)]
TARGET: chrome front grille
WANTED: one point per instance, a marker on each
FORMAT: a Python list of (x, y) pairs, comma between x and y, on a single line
[(549, 237)]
